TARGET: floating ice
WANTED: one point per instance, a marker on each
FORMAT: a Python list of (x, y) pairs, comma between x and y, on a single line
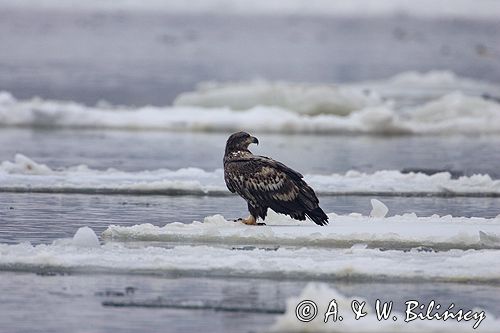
[(460, 112), (302, 98), (334, 99), (24, 174), (322, 295), (425, 86), (399, 248), (85, 237), (395, 232), (24, 165), (224, 260), (378, 208)]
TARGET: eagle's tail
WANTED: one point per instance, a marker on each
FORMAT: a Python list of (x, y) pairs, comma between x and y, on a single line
[(318, 216)]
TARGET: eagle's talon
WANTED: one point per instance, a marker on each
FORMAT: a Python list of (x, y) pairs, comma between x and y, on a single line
[(261, 223)]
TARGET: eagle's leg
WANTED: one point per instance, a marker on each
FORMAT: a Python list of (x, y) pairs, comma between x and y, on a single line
[(250, 220)]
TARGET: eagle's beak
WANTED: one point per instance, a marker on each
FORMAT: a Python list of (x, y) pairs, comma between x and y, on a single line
[(254, 140)]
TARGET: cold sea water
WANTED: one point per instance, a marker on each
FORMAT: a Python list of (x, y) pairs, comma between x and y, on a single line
[(52, 65)]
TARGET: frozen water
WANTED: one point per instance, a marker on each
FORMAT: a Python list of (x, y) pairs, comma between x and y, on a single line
[(342, 264), (24, 174), (285, 108), (25, 165), (451, 114), (403, 231), (302, 98), (322, 295), (378, 208), (85, 237), (333, 99)]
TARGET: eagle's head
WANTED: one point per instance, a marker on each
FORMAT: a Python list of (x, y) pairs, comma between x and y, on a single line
[(239, 142)]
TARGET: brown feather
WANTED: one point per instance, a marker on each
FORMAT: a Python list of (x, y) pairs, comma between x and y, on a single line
[(265, 183)]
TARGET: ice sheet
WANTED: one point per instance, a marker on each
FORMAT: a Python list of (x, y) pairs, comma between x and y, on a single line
[(350, 264), (405, 88), (454, 113), (301, 98), (322, 295), (23, 174), (395, 232), (437, 102)]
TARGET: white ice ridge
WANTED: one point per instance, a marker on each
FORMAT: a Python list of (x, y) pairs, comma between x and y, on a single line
[(288, 108), (321, 294), (423, 8), (343, 99), (405, 231), (24, 175), (357, 263), (299, 97)]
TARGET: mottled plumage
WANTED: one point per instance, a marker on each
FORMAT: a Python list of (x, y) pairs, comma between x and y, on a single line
[(265, 183)]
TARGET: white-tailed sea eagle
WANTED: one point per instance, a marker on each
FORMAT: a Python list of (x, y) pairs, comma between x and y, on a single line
[(265, 183)]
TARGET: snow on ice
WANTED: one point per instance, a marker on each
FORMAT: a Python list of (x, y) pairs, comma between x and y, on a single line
[(352, 247), (322, 295), (302, 98), (356, 263), (288, 108), (400, 231), (24, 174)]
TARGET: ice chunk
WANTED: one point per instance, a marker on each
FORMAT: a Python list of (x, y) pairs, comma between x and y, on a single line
[(85, 237), (24, 165), (322, 295), (225, 260), (447, 113), (489, 239), (378, 208), (407, 231), (24, 174), (301, 98)]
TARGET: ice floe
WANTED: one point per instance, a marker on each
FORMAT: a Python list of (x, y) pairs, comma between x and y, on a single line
[(396, 232), (357, 8), (351, 248), (455, 113), (356, 263), (445, 105), (302, 98), (322, 296), (404, 88), (24, 175)]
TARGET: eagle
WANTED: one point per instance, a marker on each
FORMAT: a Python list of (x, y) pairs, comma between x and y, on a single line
[(265, 183)]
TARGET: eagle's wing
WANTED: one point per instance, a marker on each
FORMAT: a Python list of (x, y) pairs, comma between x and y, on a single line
[(266, 183)]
